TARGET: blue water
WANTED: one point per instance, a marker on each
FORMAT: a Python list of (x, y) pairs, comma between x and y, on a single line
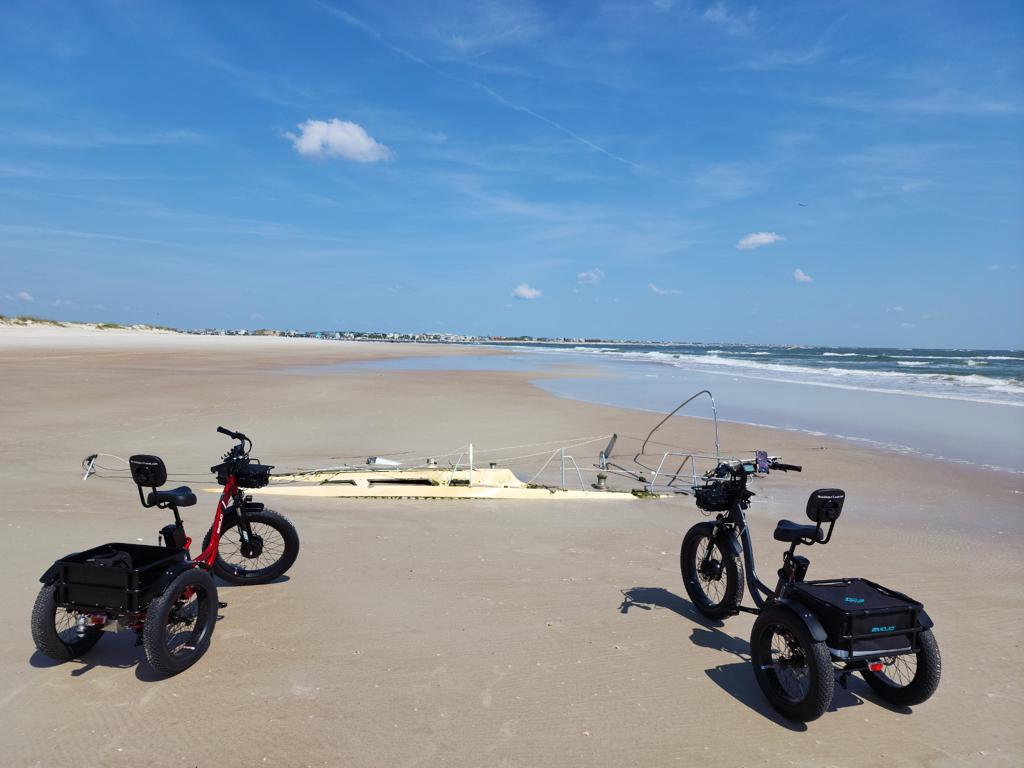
[(928, 414), (977, 375)]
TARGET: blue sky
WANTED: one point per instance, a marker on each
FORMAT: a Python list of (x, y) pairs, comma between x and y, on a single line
[(805, 172)]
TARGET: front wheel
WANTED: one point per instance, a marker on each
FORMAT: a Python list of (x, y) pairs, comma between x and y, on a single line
[(270, 551), (794, 671), (55, 629), (911, 678), (712, 574), (180, 621)]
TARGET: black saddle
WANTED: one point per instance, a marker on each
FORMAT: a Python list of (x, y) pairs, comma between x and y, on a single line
[(176, 497), (790, 531)]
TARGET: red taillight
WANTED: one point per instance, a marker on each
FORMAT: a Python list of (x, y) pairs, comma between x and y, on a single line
[(876, 666)]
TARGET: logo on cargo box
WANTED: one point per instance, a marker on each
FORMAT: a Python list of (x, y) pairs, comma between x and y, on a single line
[(882, 629), (853, 599)]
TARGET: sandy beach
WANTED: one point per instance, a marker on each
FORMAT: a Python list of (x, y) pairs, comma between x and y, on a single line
[(468, 633)]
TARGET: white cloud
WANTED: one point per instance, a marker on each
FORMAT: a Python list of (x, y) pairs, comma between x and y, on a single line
[(663, 291), (994, 268), (62, 303), (907, 325), (802, 277), (21, 296), (524, 291), (757, 239), (898, 309), (590, 276), (337, 138), (733, 23)]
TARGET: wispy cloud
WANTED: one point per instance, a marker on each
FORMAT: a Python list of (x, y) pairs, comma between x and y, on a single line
[(590, 276), (19, 296), (321, 139), (802, 277), (478, 28), (757, 240), (663, 291), (947, 101), (524, 291), (351, 20), (730, 181), (898, 309), (730, 21), (87, 138)]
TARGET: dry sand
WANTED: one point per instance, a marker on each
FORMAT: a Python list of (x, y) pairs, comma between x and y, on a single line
[(465, 633)]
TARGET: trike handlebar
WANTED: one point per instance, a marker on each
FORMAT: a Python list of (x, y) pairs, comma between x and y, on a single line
[(786, 467)]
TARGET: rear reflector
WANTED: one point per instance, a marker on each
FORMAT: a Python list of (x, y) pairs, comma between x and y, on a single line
[(876, 666)]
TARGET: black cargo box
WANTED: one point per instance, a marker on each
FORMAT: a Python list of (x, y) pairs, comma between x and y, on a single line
[(861, 618), (113, 582)]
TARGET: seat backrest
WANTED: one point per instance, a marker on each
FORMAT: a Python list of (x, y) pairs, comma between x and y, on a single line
[(148, 471), (825, 505)]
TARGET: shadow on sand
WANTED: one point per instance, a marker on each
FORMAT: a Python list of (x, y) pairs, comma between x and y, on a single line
[(737, 678), (115, 650), (221, 584)]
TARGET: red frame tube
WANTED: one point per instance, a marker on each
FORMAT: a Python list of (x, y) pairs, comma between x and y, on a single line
[(209, 555)]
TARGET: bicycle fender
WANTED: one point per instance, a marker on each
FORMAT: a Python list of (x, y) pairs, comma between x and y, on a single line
[(728, 543), (170, 574), (924, 620), (806, 615), (231, 513), (51, 574)]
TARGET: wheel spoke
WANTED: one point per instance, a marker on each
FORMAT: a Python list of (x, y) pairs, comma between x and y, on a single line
[(270, 548)]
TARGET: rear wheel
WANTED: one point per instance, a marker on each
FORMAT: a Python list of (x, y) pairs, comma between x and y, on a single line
[(712, 575), (270, 551), (911, 678), (794, 671), (180, 621), (55, 629)]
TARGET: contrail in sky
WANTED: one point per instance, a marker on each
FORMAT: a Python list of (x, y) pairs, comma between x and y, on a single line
[(352, 21)]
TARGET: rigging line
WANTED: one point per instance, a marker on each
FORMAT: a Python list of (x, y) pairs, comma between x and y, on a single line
[(530, 481), (509, 459)]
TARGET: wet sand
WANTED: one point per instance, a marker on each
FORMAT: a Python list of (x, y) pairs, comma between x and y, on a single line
[(472, 632)]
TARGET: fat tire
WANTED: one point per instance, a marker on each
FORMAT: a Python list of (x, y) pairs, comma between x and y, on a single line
[(235, 575), (819, 667), (154, 630), (732, 572), (924, 683), (44, 629)]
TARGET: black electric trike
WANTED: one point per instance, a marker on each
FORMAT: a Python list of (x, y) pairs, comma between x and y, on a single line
[(808, 634), (163, 594)]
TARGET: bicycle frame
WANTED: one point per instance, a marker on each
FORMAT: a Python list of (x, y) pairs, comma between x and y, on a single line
[(736, 519), (207, 557)]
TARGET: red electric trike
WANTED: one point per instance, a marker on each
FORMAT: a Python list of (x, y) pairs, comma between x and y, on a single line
[(163, 594)]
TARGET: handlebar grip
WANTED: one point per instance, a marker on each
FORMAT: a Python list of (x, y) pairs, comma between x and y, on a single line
[(229, 433), (788, 467)]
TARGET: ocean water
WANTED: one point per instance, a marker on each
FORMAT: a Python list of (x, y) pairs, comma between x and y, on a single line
[(973, 375), (958, 406)]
